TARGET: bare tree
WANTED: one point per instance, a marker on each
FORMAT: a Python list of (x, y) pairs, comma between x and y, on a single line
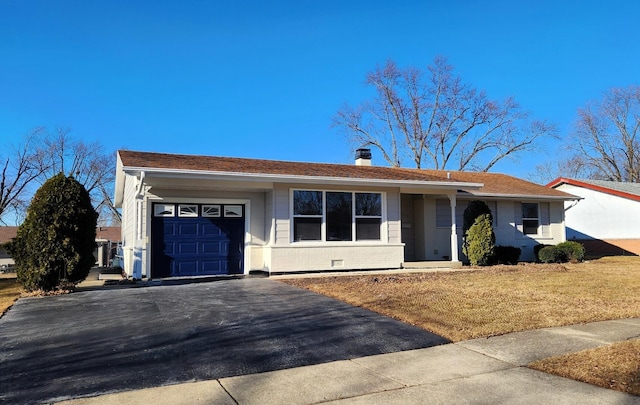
[(87, 162), (433, 119), (20, 168), (606, 142)]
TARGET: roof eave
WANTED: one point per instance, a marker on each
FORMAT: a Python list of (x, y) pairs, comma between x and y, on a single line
[(284, 178), (525, 196), (577, 183)]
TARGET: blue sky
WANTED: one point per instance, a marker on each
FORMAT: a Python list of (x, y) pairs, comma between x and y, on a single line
[(264, 79)]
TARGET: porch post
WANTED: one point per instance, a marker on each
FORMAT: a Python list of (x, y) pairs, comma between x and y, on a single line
[(454, 232)]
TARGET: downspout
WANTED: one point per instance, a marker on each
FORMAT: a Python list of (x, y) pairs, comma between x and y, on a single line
[(136, 259), (139, 194)]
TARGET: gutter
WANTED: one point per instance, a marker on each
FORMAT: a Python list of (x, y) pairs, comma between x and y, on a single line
[(284, 178)]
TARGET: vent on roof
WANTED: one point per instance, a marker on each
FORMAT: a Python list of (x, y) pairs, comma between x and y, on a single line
[(363, 157)]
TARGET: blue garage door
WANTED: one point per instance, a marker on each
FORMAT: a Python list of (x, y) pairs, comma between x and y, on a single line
[(196, 239)]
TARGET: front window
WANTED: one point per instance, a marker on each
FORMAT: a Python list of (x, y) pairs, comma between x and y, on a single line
[(368, 216), (339, 216), (307, 215), (336, 216), (530, 218)]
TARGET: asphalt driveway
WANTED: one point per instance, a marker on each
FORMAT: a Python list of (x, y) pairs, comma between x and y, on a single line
[(94, 342)]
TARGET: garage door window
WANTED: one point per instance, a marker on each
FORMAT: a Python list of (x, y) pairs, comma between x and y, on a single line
[(211, 211), (164, 210), (187, 210), (233, 211)]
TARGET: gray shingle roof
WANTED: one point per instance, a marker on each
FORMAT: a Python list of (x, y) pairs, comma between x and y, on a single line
[(625, 187)]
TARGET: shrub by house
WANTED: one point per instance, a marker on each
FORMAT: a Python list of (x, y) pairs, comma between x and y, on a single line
[(56, 241)]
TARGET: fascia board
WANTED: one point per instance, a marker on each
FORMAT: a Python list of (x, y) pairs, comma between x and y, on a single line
[(295, 179), (522, 196), (601, 189)]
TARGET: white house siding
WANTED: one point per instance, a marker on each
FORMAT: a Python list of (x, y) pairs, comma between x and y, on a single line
[(394, 226), (605, 217), (281, 210), (344, 256), (600, 215), (129, 223)]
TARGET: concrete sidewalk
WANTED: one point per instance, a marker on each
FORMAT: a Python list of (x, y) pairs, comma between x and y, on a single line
[(479, 371)]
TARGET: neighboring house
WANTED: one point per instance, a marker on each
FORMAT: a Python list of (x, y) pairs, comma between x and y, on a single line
[(186, 215), (606, 219), (107, 241), (6, 234), (107, 238)]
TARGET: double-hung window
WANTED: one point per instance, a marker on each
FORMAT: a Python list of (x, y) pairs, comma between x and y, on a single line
[(530, 218), (307, 215), (336, 216), (368, 216)]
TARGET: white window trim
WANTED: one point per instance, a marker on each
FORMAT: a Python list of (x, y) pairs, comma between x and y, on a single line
[(384, 237), (538, 218)]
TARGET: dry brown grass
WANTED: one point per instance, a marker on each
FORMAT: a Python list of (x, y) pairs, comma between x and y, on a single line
[(492, 301), (616, 367), (10, 291)]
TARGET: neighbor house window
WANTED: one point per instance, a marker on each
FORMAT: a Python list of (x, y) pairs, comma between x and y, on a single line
[(336, 216), (530, 218)]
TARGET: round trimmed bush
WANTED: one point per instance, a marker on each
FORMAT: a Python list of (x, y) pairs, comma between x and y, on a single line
[(56, 241), (536, 250), (551, 254), (506, 255), (573, 251)]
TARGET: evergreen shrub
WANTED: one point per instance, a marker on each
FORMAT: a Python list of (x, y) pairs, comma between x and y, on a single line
[(507, 254), (551, 254), (536, 251), (474, 209), (55, 243), (573, 251), (480, 241)]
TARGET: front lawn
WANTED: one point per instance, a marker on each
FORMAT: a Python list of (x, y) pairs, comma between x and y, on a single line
[(491, 301)]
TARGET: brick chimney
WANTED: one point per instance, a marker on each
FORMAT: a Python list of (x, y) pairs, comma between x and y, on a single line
[(363, 157)]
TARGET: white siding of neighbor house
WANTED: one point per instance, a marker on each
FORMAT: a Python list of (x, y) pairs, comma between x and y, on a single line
[(600, 215)]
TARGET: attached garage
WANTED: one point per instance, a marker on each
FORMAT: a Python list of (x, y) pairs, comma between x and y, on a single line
[(197, 239)]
